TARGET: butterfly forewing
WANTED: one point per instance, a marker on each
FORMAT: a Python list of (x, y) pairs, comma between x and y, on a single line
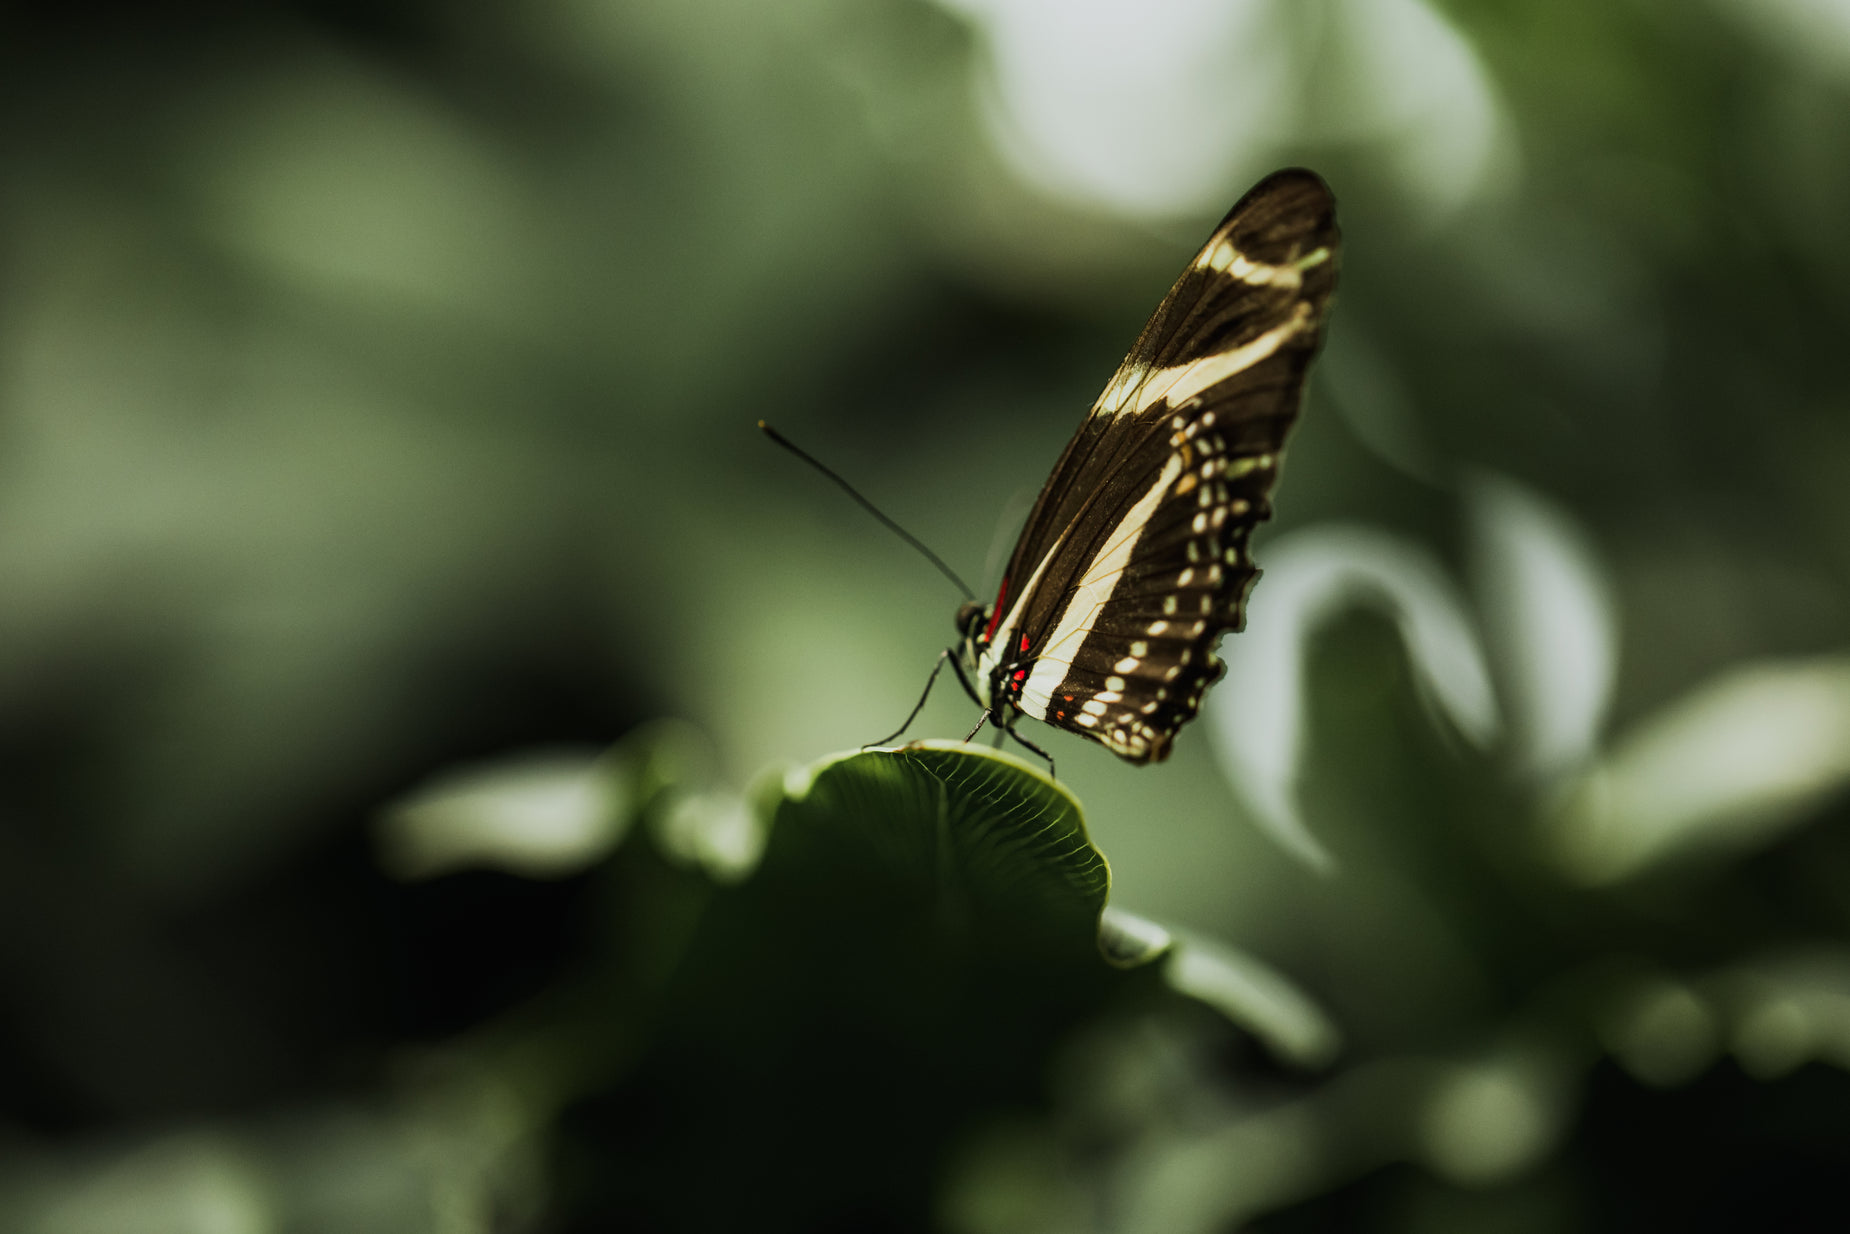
[(1134, 560)]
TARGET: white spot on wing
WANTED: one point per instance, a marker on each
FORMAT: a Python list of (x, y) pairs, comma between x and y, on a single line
[(1226, 258)]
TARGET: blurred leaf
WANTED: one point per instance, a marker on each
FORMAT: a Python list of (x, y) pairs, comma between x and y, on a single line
[(1486, 1121), (1786, 1010), (1129, 941), (1663, 1031), (693, 818), (1815, 33), (1311, 576), (452, 1147), (717, 831), (539, 815), (1551, 620), (1247, 991), (1728, 767), (189, 1183), (1163, 109), (1400, 76), (549, 815), (1256, 997)]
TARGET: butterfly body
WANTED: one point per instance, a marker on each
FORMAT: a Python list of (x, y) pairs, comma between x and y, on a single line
[(1134, 560)]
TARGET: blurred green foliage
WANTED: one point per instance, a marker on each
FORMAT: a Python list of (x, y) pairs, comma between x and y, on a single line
[(377, 477)]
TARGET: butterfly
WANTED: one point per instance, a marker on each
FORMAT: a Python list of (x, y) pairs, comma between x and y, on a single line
[(1134, 560)]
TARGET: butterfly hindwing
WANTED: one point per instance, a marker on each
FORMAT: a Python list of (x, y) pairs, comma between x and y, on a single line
[(1134, 560)]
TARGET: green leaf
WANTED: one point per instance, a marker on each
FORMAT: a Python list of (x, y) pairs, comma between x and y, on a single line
[(976, 834)]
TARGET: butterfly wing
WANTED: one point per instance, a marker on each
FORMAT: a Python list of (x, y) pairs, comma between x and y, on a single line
[(1134, 560)]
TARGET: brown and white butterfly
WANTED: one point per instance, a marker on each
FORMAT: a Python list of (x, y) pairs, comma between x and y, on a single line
[(1134, 560)]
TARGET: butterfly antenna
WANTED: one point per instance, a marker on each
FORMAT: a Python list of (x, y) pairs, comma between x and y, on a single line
[(870, 507)]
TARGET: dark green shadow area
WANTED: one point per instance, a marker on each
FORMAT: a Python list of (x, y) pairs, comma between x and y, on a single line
[(920, 932)]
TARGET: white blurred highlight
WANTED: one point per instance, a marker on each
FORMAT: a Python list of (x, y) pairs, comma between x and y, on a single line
[(1147, 109), (1730, 766), (1815, 32), (1487, 1122), (1169, 107), (540, 817), (1396, 75), (1789, 1010), (1310, 576), (717, 831), (1661, 1031), (195, 1182), (1550, 620)]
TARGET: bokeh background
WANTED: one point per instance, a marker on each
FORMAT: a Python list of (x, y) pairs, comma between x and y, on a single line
[(377, 385)]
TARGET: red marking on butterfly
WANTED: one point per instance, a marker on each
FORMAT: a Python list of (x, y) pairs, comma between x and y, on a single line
[(995, 616)]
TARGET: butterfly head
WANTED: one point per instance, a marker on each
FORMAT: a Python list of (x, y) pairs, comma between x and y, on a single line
[(970, 618), (973, 628)]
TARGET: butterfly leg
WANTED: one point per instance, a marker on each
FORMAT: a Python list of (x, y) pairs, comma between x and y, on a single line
[(980, 722), (1033, 749), (920, 705)]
